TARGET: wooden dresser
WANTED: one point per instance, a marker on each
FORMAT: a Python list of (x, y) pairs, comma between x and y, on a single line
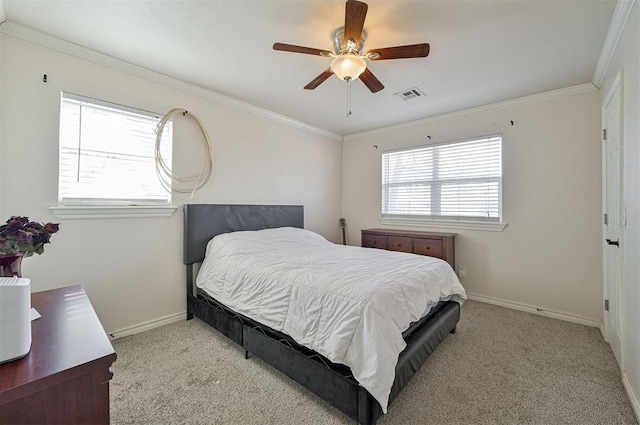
[(439, 245), (64, 379)]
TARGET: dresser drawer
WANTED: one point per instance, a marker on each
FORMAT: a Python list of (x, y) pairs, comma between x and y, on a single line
[(374, 241), (399, 243), (432, 244), (430, 247)]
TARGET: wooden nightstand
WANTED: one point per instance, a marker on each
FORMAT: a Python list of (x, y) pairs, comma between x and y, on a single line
[(64, 379), (439, 245)]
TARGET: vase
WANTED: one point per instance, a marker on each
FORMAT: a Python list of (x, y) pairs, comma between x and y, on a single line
[(10, 265)]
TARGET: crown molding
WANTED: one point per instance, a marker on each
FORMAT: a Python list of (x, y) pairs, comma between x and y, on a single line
[(616, 28), (24, 33), (526, 100)]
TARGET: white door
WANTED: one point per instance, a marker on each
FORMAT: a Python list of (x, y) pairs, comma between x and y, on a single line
[(612, 230)]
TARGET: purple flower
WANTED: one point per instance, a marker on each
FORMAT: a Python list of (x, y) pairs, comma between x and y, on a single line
[(51, 228), (24, 236), (20, 221)]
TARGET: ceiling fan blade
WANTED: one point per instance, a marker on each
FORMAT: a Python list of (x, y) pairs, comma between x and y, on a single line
[(300, 49), (371, 81), (319, 79), (355, 13), (401, 52)]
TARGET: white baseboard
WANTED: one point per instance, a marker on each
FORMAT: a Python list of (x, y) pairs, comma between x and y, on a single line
[(633, 397), (146, 326), (536, 310)]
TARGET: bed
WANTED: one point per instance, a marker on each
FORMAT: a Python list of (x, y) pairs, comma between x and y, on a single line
[(332, 381)]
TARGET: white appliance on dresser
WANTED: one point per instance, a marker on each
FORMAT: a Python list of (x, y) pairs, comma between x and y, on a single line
[(15, 318)]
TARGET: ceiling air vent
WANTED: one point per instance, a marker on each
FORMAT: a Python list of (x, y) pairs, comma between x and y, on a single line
[(409, 94)]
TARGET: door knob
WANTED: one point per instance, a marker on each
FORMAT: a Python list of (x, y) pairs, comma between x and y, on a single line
[(616, 242)]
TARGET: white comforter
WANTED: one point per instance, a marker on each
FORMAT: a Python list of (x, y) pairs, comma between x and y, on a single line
[(348, 303)]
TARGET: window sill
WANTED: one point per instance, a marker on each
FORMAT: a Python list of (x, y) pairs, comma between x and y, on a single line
[(102, 211), (444, 224)]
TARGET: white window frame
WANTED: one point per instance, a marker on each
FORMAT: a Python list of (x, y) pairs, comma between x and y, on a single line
[(439, 220), (88, 207)]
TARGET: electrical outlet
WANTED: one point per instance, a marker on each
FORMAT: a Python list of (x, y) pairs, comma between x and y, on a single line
[(461, 271)]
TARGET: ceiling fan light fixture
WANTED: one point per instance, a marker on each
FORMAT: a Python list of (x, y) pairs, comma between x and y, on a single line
[(348, 51), (348, 66)]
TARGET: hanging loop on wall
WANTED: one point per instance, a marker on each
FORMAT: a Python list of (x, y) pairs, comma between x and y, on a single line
[(190, 183)]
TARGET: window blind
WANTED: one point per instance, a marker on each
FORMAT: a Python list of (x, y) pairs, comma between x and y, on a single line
[(454, 181), (107, 153)]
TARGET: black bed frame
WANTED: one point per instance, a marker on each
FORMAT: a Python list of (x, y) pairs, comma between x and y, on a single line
[(332, 382)]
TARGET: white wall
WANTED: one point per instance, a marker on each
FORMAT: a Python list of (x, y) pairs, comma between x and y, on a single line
[(626, 61), (132, 268), (549, 255)]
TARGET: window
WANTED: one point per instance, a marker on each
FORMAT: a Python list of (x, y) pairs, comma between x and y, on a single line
[(456, 181), (107, 154)]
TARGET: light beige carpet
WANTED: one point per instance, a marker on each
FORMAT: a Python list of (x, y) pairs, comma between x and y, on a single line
[(502, 367)]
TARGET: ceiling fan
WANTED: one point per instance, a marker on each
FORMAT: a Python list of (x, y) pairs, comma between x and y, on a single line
[(349, 63)]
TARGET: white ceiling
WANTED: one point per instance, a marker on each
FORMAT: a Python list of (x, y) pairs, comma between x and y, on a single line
[(482, 51)]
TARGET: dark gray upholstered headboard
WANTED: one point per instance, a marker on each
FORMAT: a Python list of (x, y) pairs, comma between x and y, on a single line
[(204, 221)]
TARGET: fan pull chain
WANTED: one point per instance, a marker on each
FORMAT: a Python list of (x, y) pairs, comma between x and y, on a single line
[(348, 96)]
